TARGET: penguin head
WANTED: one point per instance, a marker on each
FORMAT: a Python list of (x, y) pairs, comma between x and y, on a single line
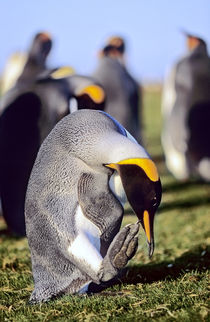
[(40, 47), (143, 189), (114, 48), (91, 97), (193, 41), (87, 92)]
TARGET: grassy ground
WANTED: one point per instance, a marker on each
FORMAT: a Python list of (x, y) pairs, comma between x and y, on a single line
[(173, 286)]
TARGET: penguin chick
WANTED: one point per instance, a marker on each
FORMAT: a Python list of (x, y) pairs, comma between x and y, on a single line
[(84, 171)]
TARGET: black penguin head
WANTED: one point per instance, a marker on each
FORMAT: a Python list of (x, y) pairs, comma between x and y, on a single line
[(143, 189), (118, 43), (115, 47), (193, 41), (91, 97), (41, 46)]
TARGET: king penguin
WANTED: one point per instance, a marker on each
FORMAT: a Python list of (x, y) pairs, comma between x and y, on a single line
[(85, 170), (26, 120), (123, 92), (186, 114)]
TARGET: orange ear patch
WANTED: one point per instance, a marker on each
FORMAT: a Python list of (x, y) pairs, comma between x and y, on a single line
[(45, 36), (95, 92), (146, 164), (192, 42)]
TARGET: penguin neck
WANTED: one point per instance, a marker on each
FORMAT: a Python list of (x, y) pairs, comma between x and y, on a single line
[(30, 72), (199, 50), (115, 185)]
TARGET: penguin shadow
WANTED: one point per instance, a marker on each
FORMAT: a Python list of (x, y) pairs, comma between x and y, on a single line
[(197, 259), (178, 186)]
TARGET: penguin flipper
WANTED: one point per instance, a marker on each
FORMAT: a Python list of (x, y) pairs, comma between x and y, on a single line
[(95, 206), (98, 204), (92, 219)]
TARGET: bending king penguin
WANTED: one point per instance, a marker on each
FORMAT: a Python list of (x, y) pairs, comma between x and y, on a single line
[(86, 169)]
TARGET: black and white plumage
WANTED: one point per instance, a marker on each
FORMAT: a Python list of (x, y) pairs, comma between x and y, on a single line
[(49, 99), (122, 90), (85, 170), (186, 114)]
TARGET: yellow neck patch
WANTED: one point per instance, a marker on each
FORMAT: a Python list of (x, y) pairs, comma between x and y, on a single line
[(146, 164), (95, 92), (62, 72)]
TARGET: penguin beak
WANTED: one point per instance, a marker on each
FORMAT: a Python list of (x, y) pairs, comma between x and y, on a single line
[(147, 223), (142, 187)]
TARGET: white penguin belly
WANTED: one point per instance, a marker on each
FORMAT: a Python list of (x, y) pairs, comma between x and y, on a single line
[(175, 161), (86, 246)]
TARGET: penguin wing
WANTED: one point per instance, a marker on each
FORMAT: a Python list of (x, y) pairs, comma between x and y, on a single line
[(97, 220), (98, 203)]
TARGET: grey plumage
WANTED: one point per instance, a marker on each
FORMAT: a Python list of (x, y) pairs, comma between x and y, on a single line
[(36, 60), (73, 212), (123, 92), (35, 64), (22, 69), (186, 132)]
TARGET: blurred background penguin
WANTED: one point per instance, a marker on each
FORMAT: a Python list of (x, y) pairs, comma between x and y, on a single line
[(24, 67), (186, 113), (30, 109), (122, 90)]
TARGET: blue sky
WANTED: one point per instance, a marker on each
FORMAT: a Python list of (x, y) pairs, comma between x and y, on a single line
[(79, 28)]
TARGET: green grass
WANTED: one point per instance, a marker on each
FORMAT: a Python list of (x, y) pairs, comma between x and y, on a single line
[(173, 286)]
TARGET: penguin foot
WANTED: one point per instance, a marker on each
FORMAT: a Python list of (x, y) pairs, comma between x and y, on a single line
[(121, 250)]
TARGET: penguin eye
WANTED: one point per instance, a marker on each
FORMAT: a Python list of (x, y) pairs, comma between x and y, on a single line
[(154, 202)]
